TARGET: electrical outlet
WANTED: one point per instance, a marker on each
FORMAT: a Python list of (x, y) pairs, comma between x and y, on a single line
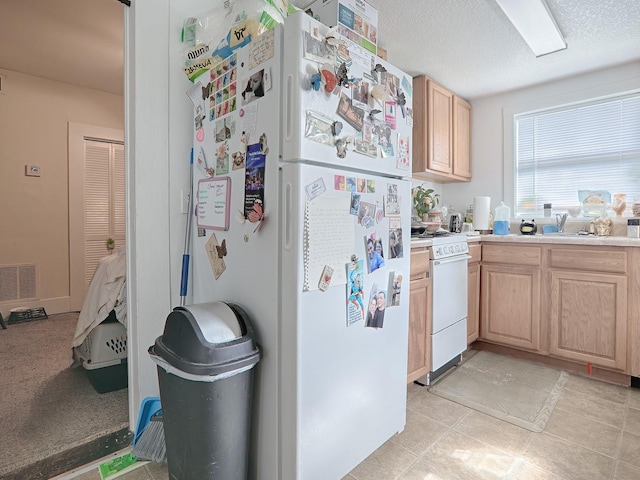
[(184, 202), (32, 170)]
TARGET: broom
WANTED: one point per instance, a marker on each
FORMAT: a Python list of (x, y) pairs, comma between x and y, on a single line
[(151, 445)]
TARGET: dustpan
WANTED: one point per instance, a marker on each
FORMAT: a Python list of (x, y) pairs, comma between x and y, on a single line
[(148, 407)]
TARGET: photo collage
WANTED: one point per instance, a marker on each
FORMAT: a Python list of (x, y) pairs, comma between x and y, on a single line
[(223, 88)]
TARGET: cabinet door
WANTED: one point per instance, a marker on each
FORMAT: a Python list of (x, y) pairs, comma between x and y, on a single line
[(461, 137), (473, 303), (510, 312), (589, 318), (439, 121), (419, 357)]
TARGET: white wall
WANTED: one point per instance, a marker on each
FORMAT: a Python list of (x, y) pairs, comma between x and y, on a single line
[(491, 144), (158, 140)]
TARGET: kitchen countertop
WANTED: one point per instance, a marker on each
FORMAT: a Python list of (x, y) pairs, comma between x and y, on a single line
[(611, 241)]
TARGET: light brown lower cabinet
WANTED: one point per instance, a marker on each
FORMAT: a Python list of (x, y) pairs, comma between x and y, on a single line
[(565, 301), (510, 305), (419, 358), (473, 294), (419, 354), (588, 321)]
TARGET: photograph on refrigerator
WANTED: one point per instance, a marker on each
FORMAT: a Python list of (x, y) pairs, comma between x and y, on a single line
[(355, 291)]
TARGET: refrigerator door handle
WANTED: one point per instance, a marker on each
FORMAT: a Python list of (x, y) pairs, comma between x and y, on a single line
[(287, 217), (288, 114)]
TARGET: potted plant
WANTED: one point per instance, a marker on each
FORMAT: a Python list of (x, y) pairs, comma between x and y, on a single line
[(424, 200), (110, 243)]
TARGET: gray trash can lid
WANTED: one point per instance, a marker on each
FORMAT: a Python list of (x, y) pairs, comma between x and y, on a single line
[(207, 339)]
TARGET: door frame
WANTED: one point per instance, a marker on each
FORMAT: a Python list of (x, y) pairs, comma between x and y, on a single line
[(77, 133)]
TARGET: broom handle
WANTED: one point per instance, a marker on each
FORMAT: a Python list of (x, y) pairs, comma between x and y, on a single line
[(187, 239)]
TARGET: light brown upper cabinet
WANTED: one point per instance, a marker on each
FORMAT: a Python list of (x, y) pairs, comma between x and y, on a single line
[(441, 133), (461, 138)]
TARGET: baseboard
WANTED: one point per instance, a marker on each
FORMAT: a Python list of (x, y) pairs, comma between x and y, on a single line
[(73, 458)]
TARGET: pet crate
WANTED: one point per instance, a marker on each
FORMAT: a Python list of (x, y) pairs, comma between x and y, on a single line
[(104, 357)]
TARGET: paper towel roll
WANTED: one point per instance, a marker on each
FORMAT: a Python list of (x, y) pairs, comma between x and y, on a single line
[(481, 209)]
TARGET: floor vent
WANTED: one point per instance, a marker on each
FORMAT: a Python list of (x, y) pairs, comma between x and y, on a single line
[(17, 282)]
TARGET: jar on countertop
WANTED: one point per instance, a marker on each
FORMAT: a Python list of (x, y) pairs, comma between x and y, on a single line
[(501, 220)]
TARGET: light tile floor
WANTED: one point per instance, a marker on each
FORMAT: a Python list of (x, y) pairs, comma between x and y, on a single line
[(593, 434)]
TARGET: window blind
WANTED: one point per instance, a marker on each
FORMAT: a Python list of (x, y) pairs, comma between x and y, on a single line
[(593, 145)]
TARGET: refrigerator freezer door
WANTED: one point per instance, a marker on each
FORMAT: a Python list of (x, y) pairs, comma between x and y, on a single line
[(251, 257), (343, 388), (388, 130)]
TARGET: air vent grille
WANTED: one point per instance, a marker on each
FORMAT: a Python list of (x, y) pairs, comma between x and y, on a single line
[(17, 282)]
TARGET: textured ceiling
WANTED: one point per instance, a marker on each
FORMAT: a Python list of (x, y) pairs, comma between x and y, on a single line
[(471, 47), (467, 45)]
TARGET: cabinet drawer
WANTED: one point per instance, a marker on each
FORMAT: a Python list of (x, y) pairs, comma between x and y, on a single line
[(588, 259), (475, 251), (419, 263), (512, 254)]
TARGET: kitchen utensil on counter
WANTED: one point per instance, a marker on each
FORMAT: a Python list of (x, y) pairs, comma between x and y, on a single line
[(467, 227), (603, 226), (619, 203), (455, 222), (436, 216), (574, 211), (528, 228)]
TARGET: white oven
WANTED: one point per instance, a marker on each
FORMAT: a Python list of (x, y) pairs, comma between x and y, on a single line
[(449, 277)]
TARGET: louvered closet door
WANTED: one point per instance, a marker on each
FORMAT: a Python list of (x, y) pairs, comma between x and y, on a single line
[(104, 194)]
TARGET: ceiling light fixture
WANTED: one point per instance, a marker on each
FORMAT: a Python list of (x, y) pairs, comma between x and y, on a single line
[(535, 23)]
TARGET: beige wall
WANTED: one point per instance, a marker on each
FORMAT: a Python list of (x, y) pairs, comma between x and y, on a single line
[(34, 210), (492, 128)]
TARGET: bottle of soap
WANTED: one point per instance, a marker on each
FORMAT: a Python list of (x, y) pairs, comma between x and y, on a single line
[(501, 220)]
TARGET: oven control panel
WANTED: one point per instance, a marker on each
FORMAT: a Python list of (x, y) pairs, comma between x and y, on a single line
[(450, 248)]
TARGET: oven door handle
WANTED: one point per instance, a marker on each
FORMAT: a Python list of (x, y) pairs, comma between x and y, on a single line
[(458, 258)]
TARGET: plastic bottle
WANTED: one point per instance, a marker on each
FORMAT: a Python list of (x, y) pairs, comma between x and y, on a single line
[(501, 220)]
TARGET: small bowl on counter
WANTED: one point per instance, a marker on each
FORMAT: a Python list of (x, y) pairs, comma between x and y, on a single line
[(574, 211)]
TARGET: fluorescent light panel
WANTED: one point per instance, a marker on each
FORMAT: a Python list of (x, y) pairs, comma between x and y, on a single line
[(535, 23)]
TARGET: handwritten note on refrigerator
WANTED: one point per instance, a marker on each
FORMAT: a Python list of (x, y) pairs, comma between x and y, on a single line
[(329, 239), (213, 203)]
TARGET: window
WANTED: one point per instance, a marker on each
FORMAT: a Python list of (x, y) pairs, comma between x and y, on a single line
[(587, 146)]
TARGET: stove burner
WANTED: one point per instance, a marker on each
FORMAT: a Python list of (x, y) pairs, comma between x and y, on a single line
[(424, 234)]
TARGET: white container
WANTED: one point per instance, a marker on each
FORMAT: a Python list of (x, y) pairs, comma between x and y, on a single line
[(481, 212), (633, 228)]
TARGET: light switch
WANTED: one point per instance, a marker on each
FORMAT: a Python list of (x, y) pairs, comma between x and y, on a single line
[(32, 170)]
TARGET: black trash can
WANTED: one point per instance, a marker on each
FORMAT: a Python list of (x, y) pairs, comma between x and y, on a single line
[(205, 361)]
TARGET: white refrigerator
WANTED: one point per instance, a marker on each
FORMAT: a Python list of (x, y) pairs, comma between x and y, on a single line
[(283, 224)]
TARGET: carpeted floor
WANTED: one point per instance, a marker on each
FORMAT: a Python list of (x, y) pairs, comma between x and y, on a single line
[(48, 407), (513, 390)]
